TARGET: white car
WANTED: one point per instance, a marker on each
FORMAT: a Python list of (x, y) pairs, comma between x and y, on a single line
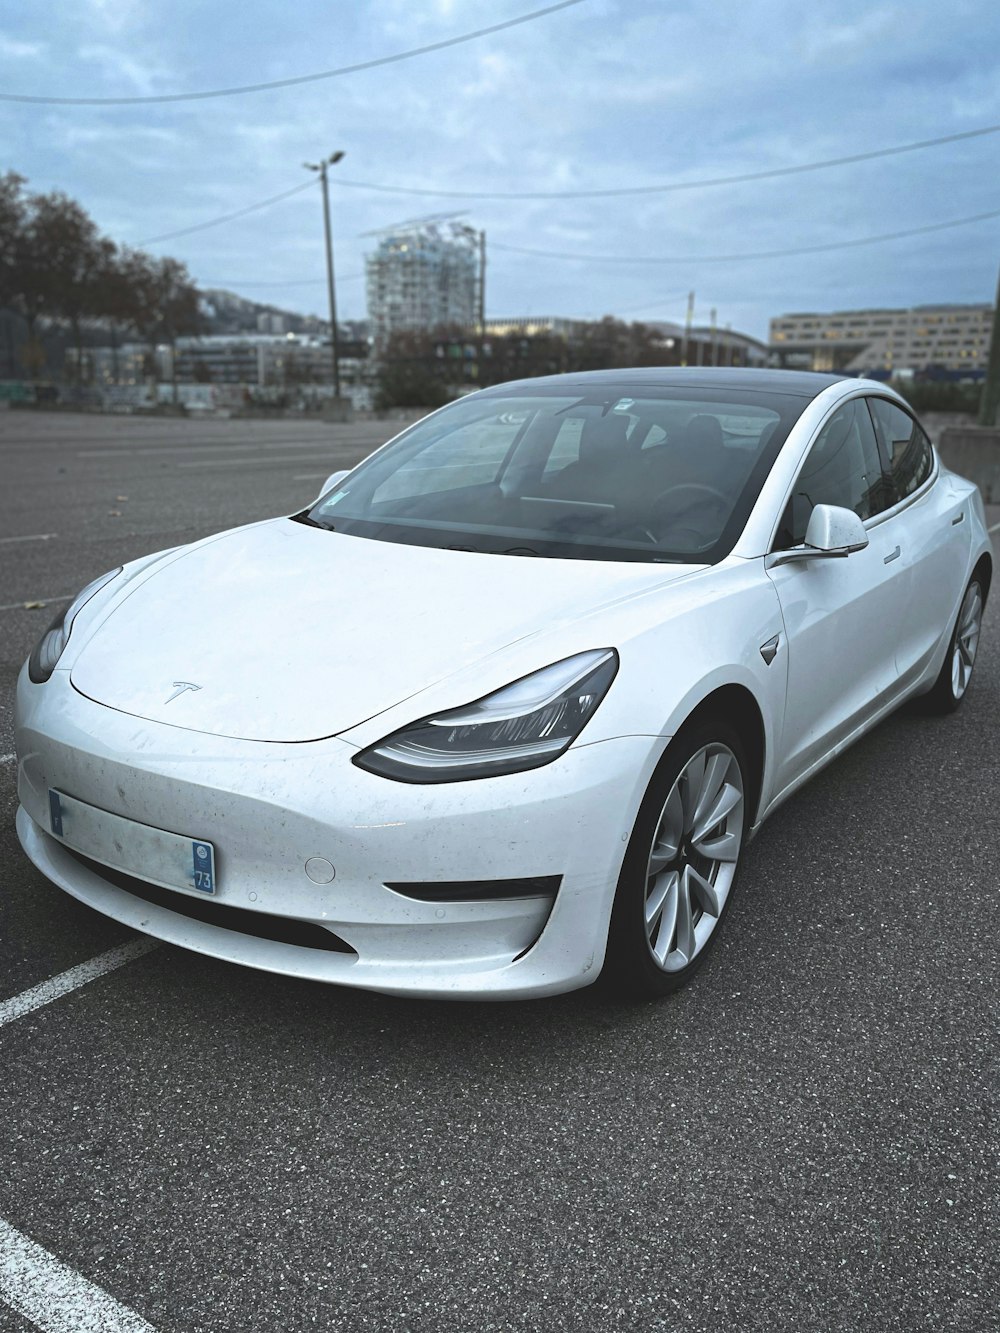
[(502, 708)]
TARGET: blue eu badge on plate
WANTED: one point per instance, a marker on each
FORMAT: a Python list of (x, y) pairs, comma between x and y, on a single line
[(204, 866)]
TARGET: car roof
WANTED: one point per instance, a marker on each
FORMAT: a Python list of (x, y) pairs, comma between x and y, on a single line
[(800, 383)]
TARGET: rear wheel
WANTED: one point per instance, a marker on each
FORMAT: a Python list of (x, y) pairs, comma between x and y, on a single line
[(949, 689), (681, 865)]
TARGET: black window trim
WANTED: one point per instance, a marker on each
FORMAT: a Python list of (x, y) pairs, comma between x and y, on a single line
[(893, 510)]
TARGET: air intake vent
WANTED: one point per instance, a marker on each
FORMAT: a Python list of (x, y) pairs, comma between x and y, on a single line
[(479, 890), (263, 926)]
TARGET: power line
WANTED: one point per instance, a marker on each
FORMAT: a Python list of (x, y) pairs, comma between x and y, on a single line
[(754, 254), (211, 283), (297, 79), (649, 305), (228, 217), (674, 187), (595, 194)]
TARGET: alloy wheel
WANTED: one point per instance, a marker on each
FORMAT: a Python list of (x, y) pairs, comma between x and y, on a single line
[(970, 620), (693, 859)]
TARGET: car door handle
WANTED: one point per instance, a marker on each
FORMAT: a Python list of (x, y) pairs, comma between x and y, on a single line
[(958, 519), (893, 555)]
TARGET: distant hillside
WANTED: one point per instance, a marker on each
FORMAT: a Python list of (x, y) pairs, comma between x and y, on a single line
[(225, 312)]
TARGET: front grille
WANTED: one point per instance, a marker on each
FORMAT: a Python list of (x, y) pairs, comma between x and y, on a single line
[(479, 890), (261, 925)]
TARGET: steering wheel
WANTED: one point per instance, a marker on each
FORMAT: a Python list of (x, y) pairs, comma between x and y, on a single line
[(709, 492)]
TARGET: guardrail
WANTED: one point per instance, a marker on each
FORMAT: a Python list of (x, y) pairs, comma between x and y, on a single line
[(974, 452)]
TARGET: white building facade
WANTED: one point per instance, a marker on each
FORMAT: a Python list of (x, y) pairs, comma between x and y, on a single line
[(423, 275)]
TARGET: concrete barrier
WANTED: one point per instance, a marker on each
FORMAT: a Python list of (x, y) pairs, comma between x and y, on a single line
[(974, 452)]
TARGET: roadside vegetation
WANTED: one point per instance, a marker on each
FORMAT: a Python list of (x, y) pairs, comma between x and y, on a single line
[(59, 276)]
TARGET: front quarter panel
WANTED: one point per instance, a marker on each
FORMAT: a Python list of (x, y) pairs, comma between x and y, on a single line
[(677, 645)]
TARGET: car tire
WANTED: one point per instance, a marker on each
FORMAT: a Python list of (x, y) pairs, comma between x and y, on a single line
[(682, 863), (948, 691)]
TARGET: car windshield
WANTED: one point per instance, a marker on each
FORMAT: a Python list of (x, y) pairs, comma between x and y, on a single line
[(599, 474)]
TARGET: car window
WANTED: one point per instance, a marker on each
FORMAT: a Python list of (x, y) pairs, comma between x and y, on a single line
[(842, 468), (451, 463), (559, 469), (906, 448), (565, 447)]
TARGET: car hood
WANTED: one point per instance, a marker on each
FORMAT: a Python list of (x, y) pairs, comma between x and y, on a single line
[(284, 632)]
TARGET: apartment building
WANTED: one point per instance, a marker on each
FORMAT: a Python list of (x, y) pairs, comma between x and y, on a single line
[(952, 341)]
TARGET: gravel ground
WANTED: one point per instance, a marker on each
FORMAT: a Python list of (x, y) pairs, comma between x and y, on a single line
[(804, 1139)]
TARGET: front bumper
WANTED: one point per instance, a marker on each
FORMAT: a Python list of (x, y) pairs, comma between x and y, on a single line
[(271, 808)]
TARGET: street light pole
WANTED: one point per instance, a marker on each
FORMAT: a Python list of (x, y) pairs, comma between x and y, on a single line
[(321, 167)]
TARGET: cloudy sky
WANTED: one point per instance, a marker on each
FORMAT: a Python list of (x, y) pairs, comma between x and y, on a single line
[(600, 95)]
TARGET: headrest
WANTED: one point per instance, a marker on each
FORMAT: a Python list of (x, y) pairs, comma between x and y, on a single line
[(703, 432), (603, 435)]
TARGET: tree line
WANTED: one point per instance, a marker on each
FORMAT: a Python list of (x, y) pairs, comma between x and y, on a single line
[(425, 369), (59, 271)]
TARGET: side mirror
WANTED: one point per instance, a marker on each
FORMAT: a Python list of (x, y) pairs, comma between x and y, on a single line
[(835, 531), (832, 533), (334, 479)]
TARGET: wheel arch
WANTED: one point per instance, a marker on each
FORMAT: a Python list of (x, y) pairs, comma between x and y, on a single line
[(738, 706), (984, 571)]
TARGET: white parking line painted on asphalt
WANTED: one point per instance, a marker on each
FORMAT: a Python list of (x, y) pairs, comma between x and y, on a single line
[(311, 476), (35, 537), (55, 1297), (246, 460), (35, 603), (201, 446), (53, 989), (995, 528)]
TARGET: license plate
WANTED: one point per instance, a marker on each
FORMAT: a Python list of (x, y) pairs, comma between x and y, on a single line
[(152, 854)]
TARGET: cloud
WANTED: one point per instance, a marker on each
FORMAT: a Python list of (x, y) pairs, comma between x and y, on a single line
[(13, 49), (115, 15), (612, 92), (140, 78)]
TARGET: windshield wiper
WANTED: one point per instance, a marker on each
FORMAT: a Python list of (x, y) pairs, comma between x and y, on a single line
[(308, 519)]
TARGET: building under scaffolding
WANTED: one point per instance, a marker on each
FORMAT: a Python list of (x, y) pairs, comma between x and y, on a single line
[(423, 275)]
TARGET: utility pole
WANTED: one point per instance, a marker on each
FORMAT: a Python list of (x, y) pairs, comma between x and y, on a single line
[(687, 329), (990, 400), (482, 304), (321, 167), (715, 337)]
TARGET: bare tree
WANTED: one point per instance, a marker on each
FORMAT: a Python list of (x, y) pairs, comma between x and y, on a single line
[(73, 254), (166, 303), (12, 217), (56, 267), (119, 292)]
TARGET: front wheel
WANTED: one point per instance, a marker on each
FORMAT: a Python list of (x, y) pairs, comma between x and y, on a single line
[(681, 865)]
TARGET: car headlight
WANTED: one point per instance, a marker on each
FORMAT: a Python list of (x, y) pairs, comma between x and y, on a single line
[(524, 725), (51, 646)]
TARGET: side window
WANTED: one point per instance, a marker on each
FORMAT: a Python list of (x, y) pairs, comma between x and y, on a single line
[(565, 447), (906, 448), (842, 468), (655, 436), (443, 466)]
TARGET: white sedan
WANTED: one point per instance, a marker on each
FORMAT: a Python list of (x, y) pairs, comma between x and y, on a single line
[(502, 708)]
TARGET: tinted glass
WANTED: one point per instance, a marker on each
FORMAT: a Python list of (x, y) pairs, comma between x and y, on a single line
[(600, 475), (842, 468), (907, 449)]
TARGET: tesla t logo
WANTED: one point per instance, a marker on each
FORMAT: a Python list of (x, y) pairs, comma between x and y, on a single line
[(180, 686)]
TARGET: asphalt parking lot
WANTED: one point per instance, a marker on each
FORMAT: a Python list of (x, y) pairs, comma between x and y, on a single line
[(804, 1139)]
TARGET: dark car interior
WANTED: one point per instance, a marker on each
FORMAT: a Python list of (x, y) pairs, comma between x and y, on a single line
[(657, 478), (678, 490)]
